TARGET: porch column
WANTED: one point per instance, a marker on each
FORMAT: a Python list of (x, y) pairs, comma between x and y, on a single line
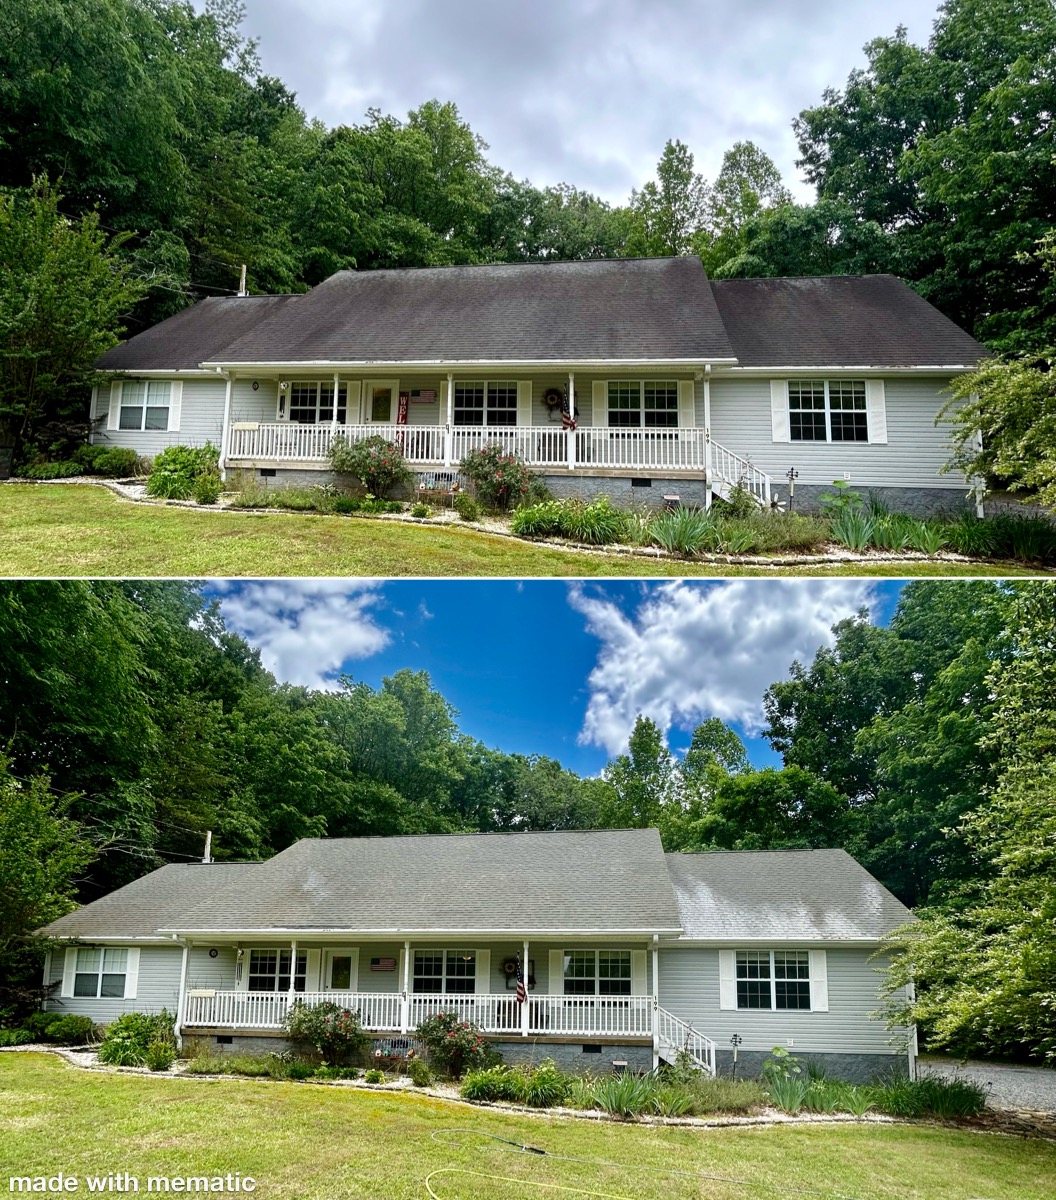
[(293, 974), (708, 478), (449, 436), (181, 1002), (979, 483), (405, 995), (656, 1003), (225, 429), (526, 1013), (572, 413), (333, 423)]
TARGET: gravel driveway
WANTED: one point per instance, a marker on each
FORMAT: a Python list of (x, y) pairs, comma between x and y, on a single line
[(1011, 1086)]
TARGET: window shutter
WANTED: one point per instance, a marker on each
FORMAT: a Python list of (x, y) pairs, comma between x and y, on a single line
[(876, 411), (779, 410), (599, 403), (132, 973), (282, 402), (69, 969), (524, 402), (819, 981), (687, 413), (354, 401), (639, 974), (114, 416), (353, 970), (445, 414), (483, 980), (175, 405), (727, 979), (312, 982), (556, 984)]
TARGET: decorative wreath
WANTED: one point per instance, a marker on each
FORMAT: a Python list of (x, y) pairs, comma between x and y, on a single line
[(509, 966), (553, 398)]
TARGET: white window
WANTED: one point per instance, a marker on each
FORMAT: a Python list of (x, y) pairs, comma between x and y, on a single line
[(486, 404), (649, 404), (100, 973), (144, 404), (776, 979), (269, 971), (312, 403), (450, 972), (597, 972), (827, 411)]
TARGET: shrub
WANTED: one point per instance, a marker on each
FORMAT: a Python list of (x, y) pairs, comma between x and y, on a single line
[(175, 469), (88, 455), (499, 479), (466, 507), (160, 1055), (378, 464), (50, 470), (374, 504), (300, 1069), (207, 487), (69, 1029), (739, 503), (737, 538), (537, 520), (843, 499), (780, 1064), (333, 1031), (128, 1039), (421, 510), (1031, 539), (537, 493), (374, 1076), (596, 523), (337, 1073), (852, 528), (489, 1084), (625, 1095), (40, 1022), (542, 1086), (684, 531), (419, 1073), (15, 1037), (972, 537), (115, 462), (454, 1045), (930, 1096)]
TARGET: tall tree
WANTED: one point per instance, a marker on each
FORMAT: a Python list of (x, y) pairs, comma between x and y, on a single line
[(669, 210), (748, 184)]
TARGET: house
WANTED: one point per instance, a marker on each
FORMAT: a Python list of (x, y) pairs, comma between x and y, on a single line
[(632, 954), (638, 378)]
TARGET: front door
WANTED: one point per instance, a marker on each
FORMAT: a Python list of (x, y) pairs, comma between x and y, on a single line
[(381, 401), (340, 970)]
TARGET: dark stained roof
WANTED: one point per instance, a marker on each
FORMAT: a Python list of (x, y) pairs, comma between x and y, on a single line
[(607, 880), (800, 895), (651, 308), (140, 908), (194, 335), (838, 320)]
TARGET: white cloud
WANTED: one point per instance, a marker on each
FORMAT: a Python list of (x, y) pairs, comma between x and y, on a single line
[(306, 629), (691, 651)]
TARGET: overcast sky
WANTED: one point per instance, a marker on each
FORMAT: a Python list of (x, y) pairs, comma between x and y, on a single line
[(555, 668), (582, 91)]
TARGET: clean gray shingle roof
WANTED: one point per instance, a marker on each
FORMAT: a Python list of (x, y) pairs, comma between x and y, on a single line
[(838, 320), (194, 335), (596, 881), (140, 908), (802, 895), (654, 308)]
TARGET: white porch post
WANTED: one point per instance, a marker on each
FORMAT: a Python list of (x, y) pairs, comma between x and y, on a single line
[(572, 414), (333, 423), (449, 435), (225, 429), (405, 996), (526, 1006), (181, 1002), (979, 487), (293, 974), (708, 478), (656, 1004)]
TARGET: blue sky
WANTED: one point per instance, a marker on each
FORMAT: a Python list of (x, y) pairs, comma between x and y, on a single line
[(553, 667)]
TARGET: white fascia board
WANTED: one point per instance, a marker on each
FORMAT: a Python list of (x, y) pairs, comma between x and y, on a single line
[(153, 940), (422, 933), (478, 364), (167, 373), (776, 940), (792, 372)]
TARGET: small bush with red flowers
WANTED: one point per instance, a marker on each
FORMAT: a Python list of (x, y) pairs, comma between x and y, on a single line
[(379, 465), (454, 1045), (332, 1030), (500, 480)]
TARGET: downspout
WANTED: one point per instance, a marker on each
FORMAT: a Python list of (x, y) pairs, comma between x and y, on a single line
[(181, 1002), (708, 475), (656, 1001), (449, 432), (225, 431)]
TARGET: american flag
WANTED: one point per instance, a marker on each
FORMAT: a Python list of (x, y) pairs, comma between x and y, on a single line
[(568, 420), (522, 994)]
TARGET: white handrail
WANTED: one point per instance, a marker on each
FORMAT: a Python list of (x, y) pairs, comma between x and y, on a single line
[(675, 1035)]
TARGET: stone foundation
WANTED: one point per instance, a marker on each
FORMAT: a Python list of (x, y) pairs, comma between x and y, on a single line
[(850, 1068), (917, 502), (579, 1058)]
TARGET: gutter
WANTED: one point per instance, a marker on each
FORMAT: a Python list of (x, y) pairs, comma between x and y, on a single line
[(473, 364), (399, 931)]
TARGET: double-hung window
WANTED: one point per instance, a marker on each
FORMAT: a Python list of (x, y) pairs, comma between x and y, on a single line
[(312, 403), (597, 972), (827, 411), (486, 404), (144, 404), (451, 972), (776, 979), (648, 404), (100, 973), (269, 971)]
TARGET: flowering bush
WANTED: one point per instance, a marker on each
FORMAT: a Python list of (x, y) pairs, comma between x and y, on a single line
[(378, 464), (453, 1044), (500, 479), (332, 1030)]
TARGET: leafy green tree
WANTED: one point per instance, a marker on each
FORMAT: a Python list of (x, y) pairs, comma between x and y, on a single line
[(747, 184), (61, 306), (645, 782), (669, 210)]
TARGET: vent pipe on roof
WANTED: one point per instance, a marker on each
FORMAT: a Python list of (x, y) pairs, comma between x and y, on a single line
[(207, 856), (242, 282)]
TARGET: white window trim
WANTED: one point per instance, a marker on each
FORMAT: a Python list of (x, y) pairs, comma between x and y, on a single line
[(875, 412), (70, 973), (278, 951), (596, 980), (285, 400), (482, 959), (817, 979), (174, 406), (681, 409), (518, 410)]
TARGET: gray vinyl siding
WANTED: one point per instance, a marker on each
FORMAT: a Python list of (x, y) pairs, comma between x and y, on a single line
[(201, 419), (206, 972), (689, 988), (915, 451), (158, 986)]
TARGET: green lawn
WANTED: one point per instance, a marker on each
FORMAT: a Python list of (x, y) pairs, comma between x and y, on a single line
[(308, 1141), (71, 529)]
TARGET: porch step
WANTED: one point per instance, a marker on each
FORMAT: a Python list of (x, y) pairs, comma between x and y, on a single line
[(676, 1037)]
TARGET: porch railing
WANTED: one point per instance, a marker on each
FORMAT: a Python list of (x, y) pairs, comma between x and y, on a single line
[(380, 1012)]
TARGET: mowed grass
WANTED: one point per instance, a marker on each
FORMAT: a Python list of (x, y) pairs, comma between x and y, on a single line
[(309, 1141), (74, 530)]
